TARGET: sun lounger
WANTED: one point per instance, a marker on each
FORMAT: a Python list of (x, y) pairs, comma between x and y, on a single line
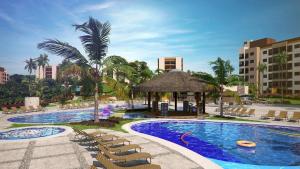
[(242, 112), (282, 115), (295, 117), (270, 114), (124, 158), (235, 111), (5, 110), (228, 110), (110, 165), (123, 148)]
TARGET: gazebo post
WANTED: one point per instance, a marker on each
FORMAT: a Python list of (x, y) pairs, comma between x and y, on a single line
[(203, 102), (149, 100), (197, 98), (175, 96)]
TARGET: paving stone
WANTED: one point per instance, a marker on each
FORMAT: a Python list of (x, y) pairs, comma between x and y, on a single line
[(138, 140), (12, 155), (13, 145), (174, 161), (52, 150), (13, 165), (154, 149), (53, 141), (58, 162)]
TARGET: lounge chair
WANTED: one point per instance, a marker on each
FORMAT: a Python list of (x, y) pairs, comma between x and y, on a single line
[(282, 115), (235, 111), (228, 110), (270, 114), (110, 165), (14, 110), (242, 112), (123, 148), (5, 110), (295, 117), (124, 158), (251, 112)]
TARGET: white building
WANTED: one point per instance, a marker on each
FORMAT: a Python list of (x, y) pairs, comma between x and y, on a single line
[(170, 63), (49, 72)]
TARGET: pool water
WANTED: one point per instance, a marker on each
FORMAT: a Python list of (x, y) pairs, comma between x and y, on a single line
[(28, 133), (135, 116), (275, 145)]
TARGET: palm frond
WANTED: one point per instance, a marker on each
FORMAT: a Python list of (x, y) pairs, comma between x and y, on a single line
[(63, 49)]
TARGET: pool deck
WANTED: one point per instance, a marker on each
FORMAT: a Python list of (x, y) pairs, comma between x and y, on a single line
[(64, 152)]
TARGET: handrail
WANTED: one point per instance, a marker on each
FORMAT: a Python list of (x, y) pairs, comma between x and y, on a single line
[(183, 136)]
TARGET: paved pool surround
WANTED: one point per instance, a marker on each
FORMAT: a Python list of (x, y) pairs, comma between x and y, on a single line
[(199, 159)]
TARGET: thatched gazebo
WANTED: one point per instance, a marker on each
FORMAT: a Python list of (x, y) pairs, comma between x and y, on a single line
[(175, 81)]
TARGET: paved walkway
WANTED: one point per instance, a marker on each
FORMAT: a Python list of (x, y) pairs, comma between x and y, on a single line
[(66, 153)]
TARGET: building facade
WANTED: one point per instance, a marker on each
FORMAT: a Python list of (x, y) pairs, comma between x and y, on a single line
[(273, 79), (3, 75), (170, 63), (49, 72)]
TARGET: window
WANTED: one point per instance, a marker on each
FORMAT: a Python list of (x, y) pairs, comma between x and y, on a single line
[(252, 53), (270, 84), (246, 63), (270, 60), (246, 78), (246, 56), (297, 64), (265, 84), (265, 52), (270, 77), (265, 76), (297, 82), (246, 70), (297, 46), (241, 56), (290, 48), (241, 71), (297, 73), (270, 68), (290, 57), (297, 55), (252, 69), (270, 52), (241, 63), (251, 77), (265, 60), (251, 61), (275, 51), (275, 67)]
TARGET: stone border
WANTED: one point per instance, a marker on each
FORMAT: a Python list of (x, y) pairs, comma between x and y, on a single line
[(195, 157), (67, 131), (201, 160)]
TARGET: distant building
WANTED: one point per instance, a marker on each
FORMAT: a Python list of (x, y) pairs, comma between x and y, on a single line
[(49, 72), (170, 63), (3, 75), (264, 51)]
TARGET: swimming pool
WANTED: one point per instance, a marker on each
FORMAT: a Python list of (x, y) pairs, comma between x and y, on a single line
[(277, 146), (29, 133)]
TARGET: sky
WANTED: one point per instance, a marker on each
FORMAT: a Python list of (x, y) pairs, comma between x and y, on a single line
[(197, 30)]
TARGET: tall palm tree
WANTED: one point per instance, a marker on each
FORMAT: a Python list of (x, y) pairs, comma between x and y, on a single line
[(30, 67), (261, 68), (222, 70), (95, 40), (281, 59), (42, 61)]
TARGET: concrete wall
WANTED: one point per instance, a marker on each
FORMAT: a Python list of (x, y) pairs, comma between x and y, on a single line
[(32, 101)]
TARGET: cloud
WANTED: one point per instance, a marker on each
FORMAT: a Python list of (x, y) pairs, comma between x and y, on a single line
[(6, 18), (96, 7)]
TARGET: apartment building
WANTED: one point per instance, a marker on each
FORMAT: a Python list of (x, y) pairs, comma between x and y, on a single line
[(170, 63), (3, 75), (264, 51), (49, 72)]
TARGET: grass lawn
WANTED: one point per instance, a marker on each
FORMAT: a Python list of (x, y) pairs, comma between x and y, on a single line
[(117, 127), (292, 101), (232, 119)]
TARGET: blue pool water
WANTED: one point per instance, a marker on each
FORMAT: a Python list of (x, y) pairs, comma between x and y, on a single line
[(276, 145), (27, 133)]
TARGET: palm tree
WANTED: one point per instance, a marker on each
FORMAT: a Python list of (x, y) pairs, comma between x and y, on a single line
[(30, 66), (261, 68), (42, 61), (281, 59), (95, 42), (222, 70)]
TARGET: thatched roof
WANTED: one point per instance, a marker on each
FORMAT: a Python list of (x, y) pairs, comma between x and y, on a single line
[(173, 81)]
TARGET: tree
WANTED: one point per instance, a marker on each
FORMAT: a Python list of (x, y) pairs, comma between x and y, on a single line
[(95, 40), (30, 66), (42, 61), (222, 70), (281, 60), (261, 68)]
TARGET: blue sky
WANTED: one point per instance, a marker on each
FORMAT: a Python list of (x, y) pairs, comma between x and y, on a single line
[(198, 30)]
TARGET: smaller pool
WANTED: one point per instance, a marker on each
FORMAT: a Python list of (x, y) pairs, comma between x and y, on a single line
[(28, 133)]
